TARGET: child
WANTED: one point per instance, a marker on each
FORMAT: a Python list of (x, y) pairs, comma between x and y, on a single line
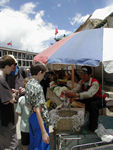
[(39, 121), (24, 112)]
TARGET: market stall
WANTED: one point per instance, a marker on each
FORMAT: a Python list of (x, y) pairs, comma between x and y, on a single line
[(90, 47)]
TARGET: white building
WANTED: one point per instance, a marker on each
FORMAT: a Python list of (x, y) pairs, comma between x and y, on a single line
[(24, 58)]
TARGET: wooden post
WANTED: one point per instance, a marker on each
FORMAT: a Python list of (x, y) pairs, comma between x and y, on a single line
[(73, 76)]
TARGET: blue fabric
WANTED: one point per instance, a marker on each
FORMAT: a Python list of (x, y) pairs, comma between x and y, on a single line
[(85, 48), (14, 73), (36, 142)]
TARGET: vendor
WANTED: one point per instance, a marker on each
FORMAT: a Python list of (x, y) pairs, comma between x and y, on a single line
[(89, 92)]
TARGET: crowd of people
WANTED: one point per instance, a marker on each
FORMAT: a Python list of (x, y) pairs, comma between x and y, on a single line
[(28, 90)]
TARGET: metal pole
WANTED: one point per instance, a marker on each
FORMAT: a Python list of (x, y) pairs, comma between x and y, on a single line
[(102, 87)]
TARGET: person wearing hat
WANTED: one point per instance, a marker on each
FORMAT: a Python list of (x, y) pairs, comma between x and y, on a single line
[(89, 92)]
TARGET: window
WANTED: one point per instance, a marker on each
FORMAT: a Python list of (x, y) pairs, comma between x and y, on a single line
[(19, 55), (15, 54), (4, 53), (19, 63), (10, 52)]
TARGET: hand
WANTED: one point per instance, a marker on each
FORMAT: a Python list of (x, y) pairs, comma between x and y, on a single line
[(72, 99), (69, 94), (15, 91), (45, 138), (12, 101), (59, 106)]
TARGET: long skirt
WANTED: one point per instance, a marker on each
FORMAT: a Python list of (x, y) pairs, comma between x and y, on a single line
[(36, 142)]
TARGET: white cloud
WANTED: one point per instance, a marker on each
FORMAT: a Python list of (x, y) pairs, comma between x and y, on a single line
[(3, 2), (24, 32), (28, 8), (78, 19), (97, 14), (102, 13)]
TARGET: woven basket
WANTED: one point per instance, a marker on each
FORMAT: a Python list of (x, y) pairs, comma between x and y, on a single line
[(65, 121)]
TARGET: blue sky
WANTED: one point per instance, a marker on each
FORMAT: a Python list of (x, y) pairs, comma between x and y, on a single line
[(30, 24)]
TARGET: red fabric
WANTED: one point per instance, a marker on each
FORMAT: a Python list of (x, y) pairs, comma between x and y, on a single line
[(43, 56), (70, 100), (99, 92), (9, 43), (56, 31)]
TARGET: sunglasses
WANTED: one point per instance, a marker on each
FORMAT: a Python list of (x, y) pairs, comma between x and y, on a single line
[(15, 64)]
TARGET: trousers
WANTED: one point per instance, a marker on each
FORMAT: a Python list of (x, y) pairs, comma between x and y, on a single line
[(8, 137), (93, 105)]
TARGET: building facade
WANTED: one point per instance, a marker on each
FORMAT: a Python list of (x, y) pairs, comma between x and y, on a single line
[(90, 23), (24, 58)]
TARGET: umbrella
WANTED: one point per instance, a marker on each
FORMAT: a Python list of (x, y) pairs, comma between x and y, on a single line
[(89, 47), (43, 56)]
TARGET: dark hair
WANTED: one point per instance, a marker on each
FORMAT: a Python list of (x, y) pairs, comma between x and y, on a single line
[(25, 81), (87, 69), (37, 67), (7, 60), (23, 72)]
